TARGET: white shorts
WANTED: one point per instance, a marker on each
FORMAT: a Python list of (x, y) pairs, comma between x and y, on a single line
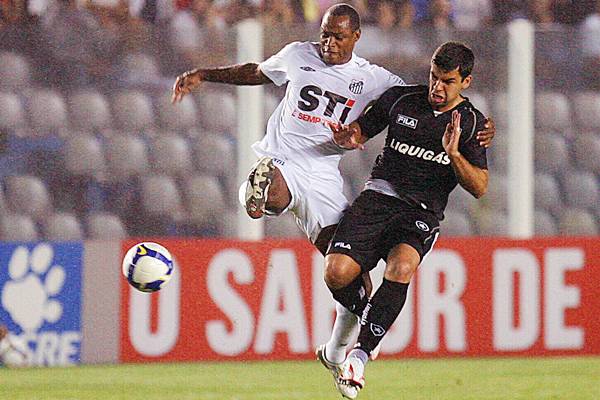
[(317, 191)]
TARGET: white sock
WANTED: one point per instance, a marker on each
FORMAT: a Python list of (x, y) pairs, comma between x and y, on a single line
[(343, 332)]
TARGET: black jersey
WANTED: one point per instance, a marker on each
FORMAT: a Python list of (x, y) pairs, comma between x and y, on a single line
[(413, 159)]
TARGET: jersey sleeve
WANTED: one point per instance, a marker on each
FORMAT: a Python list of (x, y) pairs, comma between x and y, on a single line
[(469, 146), (276, 67), (376, 118)]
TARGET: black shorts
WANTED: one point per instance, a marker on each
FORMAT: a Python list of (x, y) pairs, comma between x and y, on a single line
[(376, 223)]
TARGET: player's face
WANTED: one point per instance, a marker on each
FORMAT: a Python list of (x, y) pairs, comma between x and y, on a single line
[(445, 88), (337, 39)]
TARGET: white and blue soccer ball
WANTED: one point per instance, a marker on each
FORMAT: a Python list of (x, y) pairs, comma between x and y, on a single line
[(148, 266)]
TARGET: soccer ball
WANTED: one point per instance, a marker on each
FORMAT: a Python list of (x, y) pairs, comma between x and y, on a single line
[(148, 266)]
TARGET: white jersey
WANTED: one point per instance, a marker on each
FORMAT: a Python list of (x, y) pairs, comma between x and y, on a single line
[(317, 93)]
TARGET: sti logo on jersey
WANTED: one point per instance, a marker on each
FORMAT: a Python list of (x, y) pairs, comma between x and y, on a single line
[(310, 101), (407, 121), (356, 87)]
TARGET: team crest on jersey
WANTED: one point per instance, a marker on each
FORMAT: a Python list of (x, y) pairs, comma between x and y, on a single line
[(422, 226), (356, 87), (407, 121), (307, 68)]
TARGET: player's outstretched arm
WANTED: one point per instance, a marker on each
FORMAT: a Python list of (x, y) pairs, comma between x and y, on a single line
[(486, 136), (349, 137), (470, 177), (241, 74)]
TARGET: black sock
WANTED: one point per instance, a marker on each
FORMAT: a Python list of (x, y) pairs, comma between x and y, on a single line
[(381, 312), (353, 297)]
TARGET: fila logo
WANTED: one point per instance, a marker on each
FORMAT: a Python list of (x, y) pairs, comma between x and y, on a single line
[(356, 87), (343, 245), (307, 68), (407, 121)]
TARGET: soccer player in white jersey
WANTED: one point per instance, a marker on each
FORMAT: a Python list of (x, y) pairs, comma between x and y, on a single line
[(297, 169)]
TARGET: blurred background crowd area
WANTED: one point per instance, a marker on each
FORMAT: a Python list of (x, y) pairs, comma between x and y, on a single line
[(92, 147)]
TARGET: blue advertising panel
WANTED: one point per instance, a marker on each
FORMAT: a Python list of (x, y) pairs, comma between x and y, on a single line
[(40, 299)]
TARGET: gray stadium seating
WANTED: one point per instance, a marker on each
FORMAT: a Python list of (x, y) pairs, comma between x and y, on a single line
[(480, 102), (28, 195), (84, 155), (47, 111), (497, 194), (105, 226), (228, 223), (160, 196), (12, 114), (213, 154), (14, 70), (283, 226), (354, 170), (587, 109), (586, 150), (204, 198), (62, 227), (544, 224), (577, 222), (17, 228), (171, 155), (89, 110), (462, 201), (552, 111), (581, 189), (133, 111), (126, 156), (551, 153), (178, 117), (491, 223), (217, 111), (140, 66), (456, 224), (547, 192)]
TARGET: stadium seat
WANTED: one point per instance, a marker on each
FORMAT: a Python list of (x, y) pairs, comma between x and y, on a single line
[(89, 111), (587, 109), (217, 111), (213, 154), (178, 117), (47, 112), (14, 70), (461, 201), (544, 224), (160, 196), (84, 156), (497, 194), (547, 192), (140, 66), (456, 224), (480, 102), (283, 226), (105, 226), (271, 103), (228, 223), (491, 223), (501, 109), (170, 155), (577, 222), (17, 228), (62, 227), (133, 111), (126, 156), (586, 150), (28, 195), (581, 189), (12, 114), (552, 111), (551, 153), (204, 198)]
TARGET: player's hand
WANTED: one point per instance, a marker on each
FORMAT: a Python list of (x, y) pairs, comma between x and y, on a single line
[(184, 84), (486, 136), (346, 136), (451, 136)]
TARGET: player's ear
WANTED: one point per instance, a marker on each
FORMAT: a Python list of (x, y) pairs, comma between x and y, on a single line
[(467, 82), (356, 34)]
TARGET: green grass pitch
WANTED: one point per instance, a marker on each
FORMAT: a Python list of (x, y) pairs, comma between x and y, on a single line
[(448, 379)]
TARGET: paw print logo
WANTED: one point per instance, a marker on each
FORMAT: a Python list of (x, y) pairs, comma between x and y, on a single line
[(34, 280)]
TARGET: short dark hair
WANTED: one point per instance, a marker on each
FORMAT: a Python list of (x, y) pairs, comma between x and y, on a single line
[(451, 55), (346, 10)]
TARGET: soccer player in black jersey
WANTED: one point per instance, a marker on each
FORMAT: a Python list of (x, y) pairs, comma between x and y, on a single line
[(430, 147)]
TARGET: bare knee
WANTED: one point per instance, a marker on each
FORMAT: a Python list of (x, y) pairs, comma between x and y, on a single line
[(402, 263), (340, 271), (279, 195)]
